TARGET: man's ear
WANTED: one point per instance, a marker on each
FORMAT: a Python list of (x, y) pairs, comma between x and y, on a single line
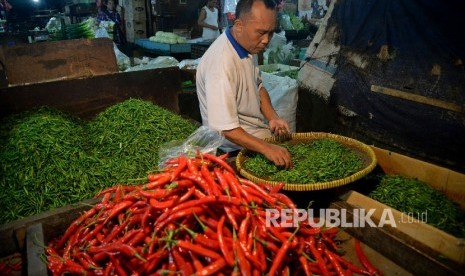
[(238, 26)]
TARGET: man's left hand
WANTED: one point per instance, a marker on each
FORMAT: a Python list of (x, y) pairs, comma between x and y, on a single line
[(279, 127)]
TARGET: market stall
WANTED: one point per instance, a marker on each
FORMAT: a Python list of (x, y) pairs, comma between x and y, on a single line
[(104, 168)]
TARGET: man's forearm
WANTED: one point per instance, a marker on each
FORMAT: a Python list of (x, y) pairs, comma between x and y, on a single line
[(240, 137), (265, 105)]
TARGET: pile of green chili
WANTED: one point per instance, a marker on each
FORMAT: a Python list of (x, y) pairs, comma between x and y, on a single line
[(421, 201), (314, 162), (50, 159)]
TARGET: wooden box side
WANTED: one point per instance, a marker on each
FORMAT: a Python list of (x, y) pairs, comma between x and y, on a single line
[(449, 182)]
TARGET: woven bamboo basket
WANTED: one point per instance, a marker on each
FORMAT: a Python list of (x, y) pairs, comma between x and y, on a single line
[(366, 153)]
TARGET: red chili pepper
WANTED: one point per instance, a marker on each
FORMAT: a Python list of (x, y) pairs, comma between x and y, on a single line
[(202, 238), (118, 208), (195, 261), (213, 186), (163, 204), (213, 268), (197, 249), (74, 227), (364, 260), (229, 258), (336, 265), (161, 180), (70, 266), (304, 263), (259, 191), (317, 255), (180, 214), (279, 258), (182, 164), (244, 264), (120, 271), (197, 179), (192, 167), (184, 266), (259, 253), (86, 261), (218, 161), (285, 200), (351, 266)]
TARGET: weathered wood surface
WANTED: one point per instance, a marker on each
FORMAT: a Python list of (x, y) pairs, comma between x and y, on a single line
[(87, 97), (55, 60), (54, 223), (400, 248)]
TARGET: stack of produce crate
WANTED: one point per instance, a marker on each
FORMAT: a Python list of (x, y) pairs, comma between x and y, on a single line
[(135, 17)]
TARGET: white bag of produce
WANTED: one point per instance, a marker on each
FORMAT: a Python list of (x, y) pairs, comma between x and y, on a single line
[(284, 95)]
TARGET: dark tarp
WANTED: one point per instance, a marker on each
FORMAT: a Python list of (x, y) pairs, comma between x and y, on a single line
[(426, 56)]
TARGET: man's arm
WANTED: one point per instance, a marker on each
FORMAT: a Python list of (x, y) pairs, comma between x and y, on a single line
[(201, 20), (278, 155), (278, 126)]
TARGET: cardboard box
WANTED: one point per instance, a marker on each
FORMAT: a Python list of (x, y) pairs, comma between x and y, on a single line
[(136, 30), (132, 4), (451, 183), (137, 13), (55, 60)]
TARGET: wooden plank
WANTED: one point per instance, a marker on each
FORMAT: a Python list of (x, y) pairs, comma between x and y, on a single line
[(35, 250), (86, 97), (416, 98), (449, 182), (54, 223), (396, 246), (55, 60), (438, 241)]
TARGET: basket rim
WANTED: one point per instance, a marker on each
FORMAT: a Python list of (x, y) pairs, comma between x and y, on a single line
[(364, 149)]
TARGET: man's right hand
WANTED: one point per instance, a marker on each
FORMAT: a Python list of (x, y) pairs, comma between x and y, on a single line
[(280, 156)]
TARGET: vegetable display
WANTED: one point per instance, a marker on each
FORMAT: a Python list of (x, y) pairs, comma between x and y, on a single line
[(196, 217), (318, 161), (167, 37), (49, 159), (415, 197)]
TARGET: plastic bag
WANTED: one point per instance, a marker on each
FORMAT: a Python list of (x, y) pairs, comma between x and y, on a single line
[(283, 93), (122, 60), (204, 140)]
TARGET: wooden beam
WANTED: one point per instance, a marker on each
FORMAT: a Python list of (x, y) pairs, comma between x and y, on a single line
[(417, 98)]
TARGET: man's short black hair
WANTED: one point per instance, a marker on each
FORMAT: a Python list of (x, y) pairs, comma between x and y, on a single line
[(244, 6)]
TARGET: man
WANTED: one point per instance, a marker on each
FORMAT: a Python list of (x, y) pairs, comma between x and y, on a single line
[(209, 21), (231, 95)]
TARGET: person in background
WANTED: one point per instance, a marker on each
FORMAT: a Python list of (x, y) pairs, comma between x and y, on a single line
[(231, 94), (5, 8), (108, 13), (209, 21)]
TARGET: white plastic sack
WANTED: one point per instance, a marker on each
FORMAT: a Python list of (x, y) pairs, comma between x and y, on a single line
[(283, 93), (155, 63), (204, 140)]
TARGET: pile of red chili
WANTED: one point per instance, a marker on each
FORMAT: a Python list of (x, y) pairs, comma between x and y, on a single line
[(196, 217)]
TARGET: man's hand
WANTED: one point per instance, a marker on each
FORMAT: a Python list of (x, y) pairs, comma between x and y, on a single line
[(280, 156), (279, 126)]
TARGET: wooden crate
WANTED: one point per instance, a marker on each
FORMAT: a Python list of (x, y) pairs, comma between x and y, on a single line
[(88, 96), (57, 60), (434, 244)]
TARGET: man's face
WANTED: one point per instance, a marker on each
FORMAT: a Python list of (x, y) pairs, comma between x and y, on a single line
[(255, 31)]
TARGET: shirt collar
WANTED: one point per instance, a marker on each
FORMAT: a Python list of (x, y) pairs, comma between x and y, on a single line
[(239, 49)]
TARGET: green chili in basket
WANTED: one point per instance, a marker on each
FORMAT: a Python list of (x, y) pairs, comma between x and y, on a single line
[(314, 162)]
